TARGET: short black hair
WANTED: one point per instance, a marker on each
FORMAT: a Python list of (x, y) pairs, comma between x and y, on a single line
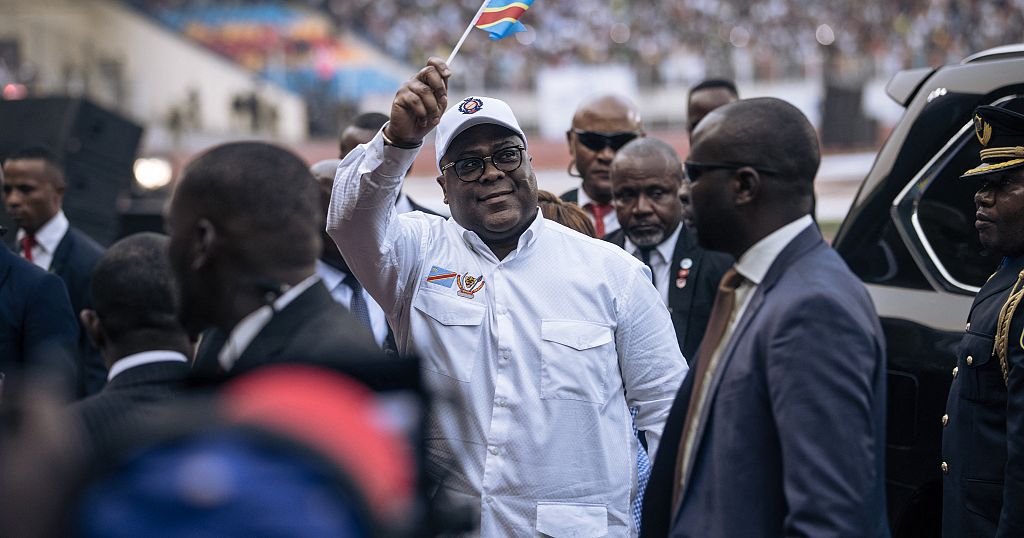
[(53, 162), (132, 287), (772, 133), (371, 121), (263, 194), (712, 83)]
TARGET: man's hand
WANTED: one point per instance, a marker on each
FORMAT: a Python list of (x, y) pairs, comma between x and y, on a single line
[(419, 104)]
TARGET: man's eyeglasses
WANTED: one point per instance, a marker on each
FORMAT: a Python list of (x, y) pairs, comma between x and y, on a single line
[(695, 170), (471, 169), (596, 141)]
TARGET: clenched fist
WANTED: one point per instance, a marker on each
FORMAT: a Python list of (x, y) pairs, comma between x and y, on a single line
[(419, 104)]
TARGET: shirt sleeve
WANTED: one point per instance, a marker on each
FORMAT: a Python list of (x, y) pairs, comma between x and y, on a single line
[(381, 249), (651, 364)]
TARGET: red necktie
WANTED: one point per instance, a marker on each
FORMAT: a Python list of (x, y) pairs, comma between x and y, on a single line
[(599, 211), (27, 243)]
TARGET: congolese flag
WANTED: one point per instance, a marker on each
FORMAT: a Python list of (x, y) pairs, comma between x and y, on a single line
[(501, 17)]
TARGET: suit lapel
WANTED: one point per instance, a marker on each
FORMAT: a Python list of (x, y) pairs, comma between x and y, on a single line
[(59, 264), (284, 326), (680, 299), (798, 247)]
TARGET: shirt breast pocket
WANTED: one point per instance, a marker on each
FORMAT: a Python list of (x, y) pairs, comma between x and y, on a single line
[(453, 325), (981, 379), (575, 360)]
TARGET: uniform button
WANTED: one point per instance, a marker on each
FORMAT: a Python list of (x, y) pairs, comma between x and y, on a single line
[(490, 500), (970, 360), (945, 420), (494, 451), (500, 402), (955, 370), (968, 326), (945, 468)]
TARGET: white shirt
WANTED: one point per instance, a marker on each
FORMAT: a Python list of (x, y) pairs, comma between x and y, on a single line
[(342, 294), (753, 265), (245, 331), (533, 376), (611, 220), (48, 237), (146, 357), (661, 258)]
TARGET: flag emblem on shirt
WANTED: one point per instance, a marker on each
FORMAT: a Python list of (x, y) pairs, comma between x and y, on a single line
[(441, 276), (501, 17)]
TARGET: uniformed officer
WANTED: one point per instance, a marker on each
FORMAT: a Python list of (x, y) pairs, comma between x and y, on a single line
[(983, 430)]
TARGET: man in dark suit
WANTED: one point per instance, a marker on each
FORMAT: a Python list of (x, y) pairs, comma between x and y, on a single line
[(780, 430), (244, 225), (601, 125), (36, 321), (135, 326), (646, 174), (33, 195), (983, 430), (363, 128)]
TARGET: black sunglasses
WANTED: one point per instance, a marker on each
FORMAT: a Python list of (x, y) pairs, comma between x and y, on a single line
[(596, 141), (695, 170)]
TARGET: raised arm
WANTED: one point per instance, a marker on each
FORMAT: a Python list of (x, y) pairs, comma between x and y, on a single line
[(380, 249)]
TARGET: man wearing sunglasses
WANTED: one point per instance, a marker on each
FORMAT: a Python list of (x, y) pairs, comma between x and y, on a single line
[(534, 339), (783, 420), (601, 126)]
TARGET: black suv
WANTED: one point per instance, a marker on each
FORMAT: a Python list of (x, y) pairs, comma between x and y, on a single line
[(910, 237)]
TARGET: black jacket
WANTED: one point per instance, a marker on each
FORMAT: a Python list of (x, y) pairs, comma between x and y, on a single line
[(690, 305), (73, 261)]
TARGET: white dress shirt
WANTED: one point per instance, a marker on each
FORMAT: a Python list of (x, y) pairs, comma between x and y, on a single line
[(146, 357), (48, 237), (661, 259), (342, 294), (753, 265), (611, 220), (534, 371), (245, 331)]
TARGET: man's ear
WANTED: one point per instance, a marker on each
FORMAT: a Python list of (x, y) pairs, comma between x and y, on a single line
[(746, 185), (93, 327), (570, 138), (206, 240), (444, 187)]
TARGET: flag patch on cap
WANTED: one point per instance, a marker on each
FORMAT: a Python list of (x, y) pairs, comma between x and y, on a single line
[(441, 276)]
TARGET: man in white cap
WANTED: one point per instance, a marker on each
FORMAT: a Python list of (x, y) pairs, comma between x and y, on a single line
[(534, 339)]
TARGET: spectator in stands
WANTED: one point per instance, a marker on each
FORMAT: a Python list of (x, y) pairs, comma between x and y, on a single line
[(33, 194), (244, 225), (600, 126), (362, 130), (134, 324), (706, 96), (539, 339), (36, 320), (565, 213), (334, 272), (646, 175)]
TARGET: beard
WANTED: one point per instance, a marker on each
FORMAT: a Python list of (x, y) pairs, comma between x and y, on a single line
[(647, 238)]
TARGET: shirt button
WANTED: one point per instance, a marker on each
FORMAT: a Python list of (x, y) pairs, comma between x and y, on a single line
[(970, 360), (968, 326), (490, 500), (955, 370), (945, 420), (500, 402), (494, 450), (945, 468)]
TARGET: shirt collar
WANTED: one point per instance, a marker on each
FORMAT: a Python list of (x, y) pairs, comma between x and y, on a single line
[(755, 262), (49, 235), (146, 357), (526, 239), (330, 275), (666, 248)]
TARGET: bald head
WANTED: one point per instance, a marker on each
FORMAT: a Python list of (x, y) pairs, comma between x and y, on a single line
[(607, 113), (648, 152)]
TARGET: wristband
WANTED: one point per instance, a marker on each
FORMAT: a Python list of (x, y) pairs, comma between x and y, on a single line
[(389, 142)]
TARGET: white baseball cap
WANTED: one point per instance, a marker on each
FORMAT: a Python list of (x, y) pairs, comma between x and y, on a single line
[(470, 112)]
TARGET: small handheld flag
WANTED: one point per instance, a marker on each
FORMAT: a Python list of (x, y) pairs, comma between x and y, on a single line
[(500, 18)]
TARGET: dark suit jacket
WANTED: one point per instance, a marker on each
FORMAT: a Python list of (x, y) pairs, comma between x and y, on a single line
[(691, 305), (132, 393), (571, 195), (310, 329), (983, 490), (36, 322), (792, 440), (73, 261)]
